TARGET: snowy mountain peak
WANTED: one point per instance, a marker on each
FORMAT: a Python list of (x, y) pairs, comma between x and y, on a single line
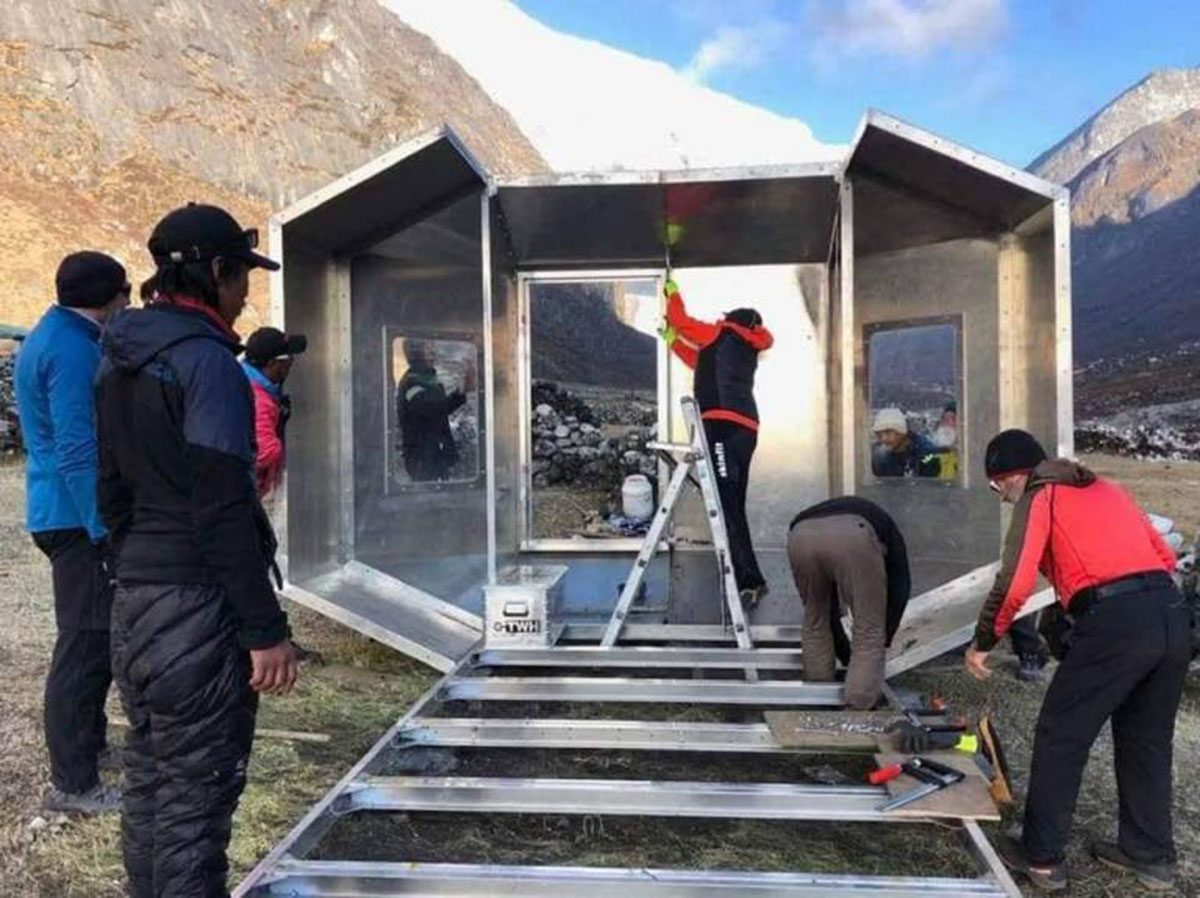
[(589, 107), (1163, 94)]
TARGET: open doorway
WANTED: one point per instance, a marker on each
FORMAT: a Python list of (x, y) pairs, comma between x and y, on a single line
[(594, 383)]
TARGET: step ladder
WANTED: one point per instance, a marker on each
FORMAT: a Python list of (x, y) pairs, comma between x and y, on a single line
[(692, 461)]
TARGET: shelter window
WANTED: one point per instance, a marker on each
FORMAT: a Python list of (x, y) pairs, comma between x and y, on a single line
[(433, 410), (914, 378), (594, 373)]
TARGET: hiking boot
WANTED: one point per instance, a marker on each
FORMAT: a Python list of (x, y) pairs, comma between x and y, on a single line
[(1154, 877), (1043, 877), (1029, 667), (100, 799), (751, 596)]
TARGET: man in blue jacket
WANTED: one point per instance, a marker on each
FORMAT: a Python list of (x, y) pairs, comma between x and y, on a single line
[(58, 418)]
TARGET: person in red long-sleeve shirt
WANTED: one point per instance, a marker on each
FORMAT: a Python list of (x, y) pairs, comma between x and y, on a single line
[(267, 363), (1128, 655), (724, 355)]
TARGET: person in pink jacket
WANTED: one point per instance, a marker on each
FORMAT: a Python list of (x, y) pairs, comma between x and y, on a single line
[(268, 361)]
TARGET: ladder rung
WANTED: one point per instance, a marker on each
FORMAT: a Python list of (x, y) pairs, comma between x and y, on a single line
[(671, 447)]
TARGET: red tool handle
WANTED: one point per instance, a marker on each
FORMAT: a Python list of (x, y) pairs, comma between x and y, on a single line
[(883, 774)]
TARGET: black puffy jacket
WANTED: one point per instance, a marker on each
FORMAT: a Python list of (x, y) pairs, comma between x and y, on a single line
[(175, 427)]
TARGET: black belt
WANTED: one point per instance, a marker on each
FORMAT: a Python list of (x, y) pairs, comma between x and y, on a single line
[(1083, 600)]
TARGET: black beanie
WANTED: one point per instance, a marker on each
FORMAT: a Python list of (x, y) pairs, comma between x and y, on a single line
[(744, 317), (1012, 452), (89, 280)]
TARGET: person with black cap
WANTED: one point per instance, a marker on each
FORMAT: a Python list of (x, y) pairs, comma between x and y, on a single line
[(53, 381), (267, 363), (1126, 661), (724, 355), (198, 631)]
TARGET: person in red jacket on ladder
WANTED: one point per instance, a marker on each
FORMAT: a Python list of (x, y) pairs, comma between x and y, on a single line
[(724, 356)]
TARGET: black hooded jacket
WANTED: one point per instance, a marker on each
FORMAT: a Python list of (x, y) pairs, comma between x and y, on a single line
[(175, 428)]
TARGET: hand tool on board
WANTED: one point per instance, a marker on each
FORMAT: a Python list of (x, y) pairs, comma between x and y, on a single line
[(933, 775)]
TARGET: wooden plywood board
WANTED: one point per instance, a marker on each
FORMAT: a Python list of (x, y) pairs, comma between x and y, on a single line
[(845, 730), (965, 800)]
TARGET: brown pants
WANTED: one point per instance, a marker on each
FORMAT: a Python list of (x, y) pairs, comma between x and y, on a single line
[(840, 556)]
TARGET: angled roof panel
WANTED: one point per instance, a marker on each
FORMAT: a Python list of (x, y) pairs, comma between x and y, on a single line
[(909, 160), (386, 194)]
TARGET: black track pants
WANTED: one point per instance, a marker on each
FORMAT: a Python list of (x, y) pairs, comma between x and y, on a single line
[(1127, 662), (732, 447), (184, 683), (80, 671)]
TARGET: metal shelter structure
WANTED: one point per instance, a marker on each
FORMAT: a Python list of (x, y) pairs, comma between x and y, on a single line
[(910, 241), (911, 230)]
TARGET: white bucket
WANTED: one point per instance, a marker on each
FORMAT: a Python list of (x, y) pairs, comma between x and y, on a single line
[(637, 498)]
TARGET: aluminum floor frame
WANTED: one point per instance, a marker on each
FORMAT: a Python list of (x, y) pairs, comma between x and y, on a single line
[(487, 676)]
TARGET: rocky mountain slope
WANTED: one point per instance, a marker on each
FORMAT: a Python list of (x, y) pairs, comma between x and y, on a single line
[(1134, 170), (113, 111), (1159, 96)]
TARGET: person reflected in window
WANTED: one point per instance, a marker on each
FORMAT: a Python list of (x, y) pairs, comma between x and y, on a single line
[(946, 435), (945, 440), (423, 409), (899, 452)]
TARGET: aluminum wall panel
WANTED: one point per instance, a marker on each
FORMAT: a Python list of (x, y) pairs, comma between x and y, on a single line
[(506, 375), (315, 444), (432, 536), (950, 528)]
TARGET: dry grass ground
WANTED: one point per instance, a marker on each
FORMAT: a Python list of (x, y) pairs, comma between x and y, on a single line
[(353, 697), (363, 687)]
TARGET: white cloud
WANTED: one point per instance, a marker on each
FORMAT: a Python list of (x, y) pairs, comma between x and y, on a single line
[(732, 47), (906, 29)]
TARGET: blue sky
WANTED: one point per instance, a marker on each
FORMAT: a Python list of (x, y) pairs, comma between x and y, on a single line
[(1008, 77)]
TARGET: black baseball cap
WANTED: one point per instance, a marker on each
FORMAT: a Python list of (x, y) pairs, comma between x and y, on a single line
[(89, 280), (269, 343), (199, 233)]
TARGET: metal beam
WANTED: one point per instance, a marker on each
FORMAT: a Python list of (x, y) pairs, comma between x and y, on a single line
[(320, 817), (630, 735), (369, 879), (643, 798), (645, 657), (636, 632), (636, 689)]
